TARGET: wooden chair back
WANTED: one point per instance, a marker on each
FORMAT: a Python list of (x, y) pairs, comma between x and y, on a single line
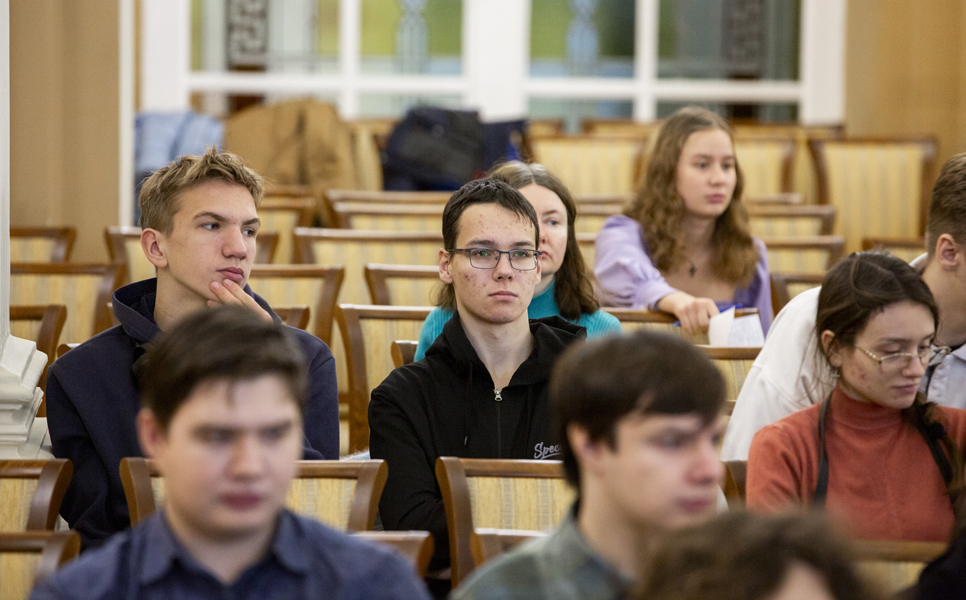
[(591, 217), (592, 164), (498, 494), (43, 324), (124, 248), (733, 363), (386, 197), (587, 242), (294, 316), (28, 558), (906, 249), (31, 492), (785, 286), (289, 285), (895, 566), (403, 352), (487, 543), (368, 333), (619, 127), (85, 288), (353, 250), (389, 217), (766, 163), (41, 244), (280, 216), (791, 221), (415, 546), (814, 254), (402, 285), (633, 319), (343, 494), (880, 187), (736, 472)]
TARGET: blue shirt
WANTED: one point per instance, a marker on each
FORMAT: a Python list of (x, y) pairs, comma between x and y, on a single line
[(542, 305), (305, 560)]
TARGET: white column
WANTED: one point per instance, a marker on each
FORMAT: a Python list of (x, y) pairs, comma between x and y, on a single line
[(350, 56), (645, 59), (165, 54), (496, 57), (21, 365), (822, 62), (125, 211)]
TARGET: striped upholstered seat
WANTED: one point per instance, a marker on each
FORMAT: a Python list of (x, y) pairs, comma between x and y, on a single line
[(26, 559), (280, 215), (85, 289), (368, 332), (804, 255), (41, 244), (590, 164), (906, 249), (895, 566), (389, 217), (289, 285), (766, 163), (403, 285), (31, 492), (734, 364), (785, 286), (880, 187), (529, 495), (791, 221), (43, 325), (342, 494)]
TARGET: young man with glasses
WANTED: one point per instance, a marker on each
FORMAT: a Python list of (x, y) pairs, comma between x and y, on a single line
[(481, 390)]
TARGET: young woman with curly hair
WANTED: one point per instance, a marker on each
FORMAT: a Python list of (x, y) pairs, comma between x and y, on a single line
[(875, 453), (565, 290), (683, 246)]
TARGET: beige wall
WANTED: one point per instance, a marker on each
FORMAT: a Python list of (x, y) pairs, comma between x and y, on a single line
[(64, 126), (906, 70)]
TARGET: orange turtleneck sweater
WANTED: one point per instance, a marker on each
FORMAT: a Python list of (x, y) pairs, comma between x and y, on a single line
[(883, 481)]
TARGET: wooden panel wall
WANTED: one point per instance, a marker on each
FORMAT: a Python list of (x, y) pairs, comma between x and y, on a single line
[(906, 70), (64, 125)]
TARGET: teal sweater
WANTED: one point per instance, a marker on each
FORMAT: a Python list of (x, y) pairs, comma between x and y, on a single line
[(544, 305)]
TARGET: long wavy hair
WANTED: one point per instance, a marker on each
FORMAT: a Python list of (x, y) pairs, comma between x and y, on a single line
[(856, 289), (573, 288), (660, 209)]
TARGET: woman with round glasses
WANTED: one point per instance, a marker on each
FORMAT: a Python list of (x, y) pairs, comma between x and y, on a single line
[(565, 290), (875, 451)]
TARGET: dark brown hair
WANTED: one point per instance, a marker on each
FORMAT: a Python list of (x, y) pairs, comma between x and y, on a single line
[(598, 382), (480, 191), (660, 210), (223, 343), (740, 556), (159, 193), (858, 288), (573, 288), (948, 207)]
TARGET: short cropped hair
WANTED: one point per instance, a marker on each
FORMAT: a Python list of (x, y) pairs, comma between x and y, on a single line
[(480, 191), (223, 343), (743, 556), (160, 192), (948, 204), (597, 383)]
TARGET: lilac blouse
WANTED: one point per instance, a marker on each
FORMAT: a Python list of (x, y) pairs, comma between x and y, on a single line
[(624, 269)]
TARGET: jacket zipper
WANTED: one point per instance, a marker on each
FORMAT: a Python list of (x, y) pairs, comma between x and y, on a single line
[(499, 436)]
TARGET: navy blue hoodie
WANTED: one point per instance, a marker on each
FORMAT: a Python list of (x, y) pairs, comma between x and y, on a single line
[(445, 405), (93, 402)]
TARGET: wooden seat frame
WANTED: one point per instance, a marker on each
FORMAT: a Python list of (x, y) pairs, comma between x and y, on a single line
[(370, 476), (56, 548), (53, 476), (452, 474), (52, 318), (378, 276), (62, 237)]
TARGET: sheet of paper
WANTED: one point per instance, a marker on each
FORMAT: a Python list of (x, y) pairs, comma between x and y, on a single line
[(746, 331), (720, 326)]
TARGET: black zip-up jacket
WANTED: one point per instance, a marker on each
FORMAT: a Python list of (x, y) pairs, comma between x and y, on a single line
[(445, 405)]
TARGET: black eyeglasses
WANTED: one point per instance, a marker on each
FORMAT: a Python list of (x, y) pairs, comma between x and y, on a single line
[(489, 258)]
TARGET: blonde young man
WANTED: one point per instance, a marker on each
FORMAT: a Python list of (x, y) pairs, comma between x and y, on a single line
[(199, 223)]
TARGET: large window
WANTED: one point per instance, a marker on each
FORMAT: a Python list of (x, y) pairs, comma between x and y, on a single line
[(760, 59)]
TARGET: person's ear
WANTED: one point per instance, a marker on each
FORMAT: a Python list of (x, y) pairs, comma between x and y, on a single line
[(151, 435), (154, 247), (832, 348), (444, 264), (588, 452), (948, 254)]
